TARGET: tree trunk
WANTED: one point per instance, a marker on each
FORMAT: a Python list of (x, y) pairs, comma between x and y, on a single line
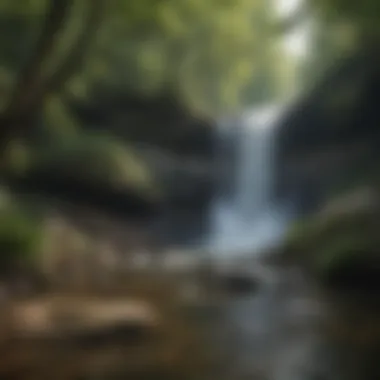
[(74, 59), (30, 77), (33, 87)]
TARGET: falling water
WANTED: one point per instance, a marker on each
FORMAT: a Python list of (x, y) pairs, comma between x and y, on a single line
[(245, 217)]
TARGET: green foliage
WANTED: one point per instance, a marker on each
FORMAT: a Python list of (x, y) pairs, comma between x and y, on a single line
[(17, 158), (58, 121), (96, 158), (340, 28), (341, 250), (365, 14), (20, 237), (326, 243), (210, 52), (18, 32), (332, 40)]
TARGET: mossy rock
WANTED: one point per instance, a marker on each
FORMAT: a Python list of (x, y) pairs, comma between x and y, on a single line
[(339, 248), (97, 158), (20, 239)]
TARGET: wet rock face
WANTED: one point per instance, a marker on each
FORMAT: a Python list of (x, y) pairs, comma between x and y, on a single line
[(322, 139)]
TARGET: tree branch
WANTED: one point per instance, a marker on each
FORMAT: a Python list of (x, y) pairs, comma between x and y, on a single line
[(33, 87), (74, 59), (30, 78)]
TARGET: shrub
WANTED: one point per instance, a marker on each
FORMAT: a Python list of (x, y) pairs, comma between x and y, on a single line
[(99, 159), (330, 244), (20, 238)]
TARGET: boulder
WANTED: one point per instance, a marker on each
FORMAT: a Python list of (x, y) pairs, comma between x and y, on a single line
[(238, 283), (340, 243), (83, 320)]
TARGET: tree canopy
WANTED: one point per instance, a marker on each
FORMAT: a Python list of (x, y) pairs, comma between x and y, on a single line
[(214, 54)]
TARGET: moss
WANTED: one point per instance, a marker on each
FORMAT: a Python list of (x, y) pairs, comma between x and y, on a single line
[(20, 238), (340, 251), (96, 158), (337, 243)]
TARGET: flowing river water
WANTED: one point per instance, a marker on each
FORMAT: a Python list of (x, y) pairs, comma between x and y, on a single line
[(287, 329)]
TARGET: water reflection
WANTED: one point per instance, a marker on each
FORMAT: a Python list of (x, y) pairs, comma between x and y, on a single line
[(291, 330)]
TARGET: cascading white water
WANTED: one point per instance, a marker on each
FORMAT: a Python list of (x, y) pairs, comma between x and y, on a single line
[(245, 219)]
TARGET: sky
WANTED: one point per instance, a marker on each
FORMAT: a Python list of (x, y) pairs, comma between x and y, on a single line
[(287, 7), (297, 41)]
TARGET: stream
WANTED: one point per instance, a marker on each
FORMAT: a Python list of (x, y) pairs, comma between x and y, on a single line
[(288, 329)]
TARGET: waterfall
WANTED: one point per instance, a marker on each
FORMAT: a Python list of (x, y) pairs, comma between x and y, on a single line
[(245, 217)]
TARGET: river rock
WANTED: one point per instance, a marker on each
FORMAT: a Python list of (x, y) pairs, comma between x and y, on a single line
[(360, 200), (83, 319), (238, 283)]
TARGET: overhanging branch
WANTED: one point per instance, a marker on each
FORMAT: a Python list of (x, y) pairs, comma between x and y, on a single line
[(30, 77)]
